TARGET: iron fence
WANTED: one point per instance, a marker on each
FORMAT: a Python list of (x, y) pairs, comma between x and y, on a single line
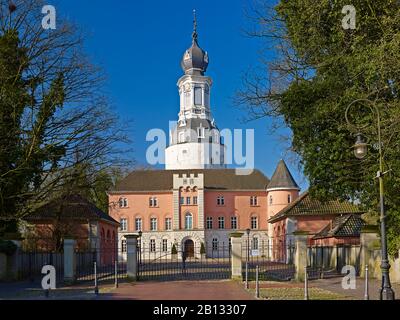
[(274, 259), (328, 260), (174, 262), (109, 262), (30, 264)]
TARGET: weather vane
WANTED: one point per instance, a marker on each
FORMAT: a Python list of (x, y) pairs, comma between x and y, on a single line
[(194, 25)]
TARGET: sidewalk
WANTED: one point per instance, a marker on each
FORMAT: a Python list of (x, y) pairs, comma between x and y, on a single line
[(335, 285), (33, 291)]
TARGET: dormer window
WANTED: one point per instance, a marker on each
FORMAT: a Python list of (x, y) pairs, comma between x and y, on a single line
[(123, 202)]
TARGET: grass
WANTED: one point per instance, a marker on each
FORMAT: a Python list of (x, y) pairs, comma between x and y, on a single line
[(297, 294)]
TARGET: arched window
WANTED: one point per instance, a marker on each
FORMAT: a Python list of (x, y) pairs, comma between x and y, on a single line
[(188, 221), (289, 198), (214, 244), (255, 243)]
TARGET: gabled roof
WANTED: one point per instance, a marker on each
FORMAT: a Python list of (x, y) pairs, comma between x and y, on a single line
[(343, 226), (70, 207), (214, 179), (307, 206), (282, 178)]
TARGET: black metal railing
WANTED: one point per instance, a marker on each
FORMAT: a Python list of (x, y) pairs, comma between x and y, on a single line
[(274, 259), (173, 262), (106, 263)]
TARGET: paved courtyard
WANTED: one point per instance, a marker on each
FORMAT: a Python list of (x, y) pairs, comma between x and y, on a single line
[(193, 290), (180, 290)]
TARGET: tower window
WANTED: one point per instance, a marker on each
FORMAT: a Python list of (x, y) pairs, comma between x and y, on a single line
[(289, 198), (198, 93), (270, 199), (200, 132)]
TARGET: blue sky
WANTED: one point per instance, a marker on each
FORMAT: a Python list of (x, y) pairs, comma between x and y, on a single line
[(140, 44)]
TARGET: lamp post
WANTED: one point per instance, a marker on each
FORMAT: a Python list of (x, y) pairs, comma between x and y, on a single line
[(140, 246), (247, 258), (360, 151), (248, 244)]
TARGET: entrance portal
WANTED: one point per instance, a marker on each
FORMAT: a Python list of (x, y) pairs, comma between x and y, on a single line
[(189, 248)]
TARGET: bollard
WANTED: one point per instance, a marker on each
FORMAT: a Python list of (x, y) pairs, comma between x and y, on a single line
[(247, 277), (366, 293), (257, 285), (96, 288), (306, 297), (116, 274)]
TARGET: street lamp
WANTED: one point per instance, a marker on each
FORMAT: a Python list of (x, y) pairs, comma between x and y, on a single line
[(360, 147), (248, 243), (360, 151), (140, 247), (247, 258)]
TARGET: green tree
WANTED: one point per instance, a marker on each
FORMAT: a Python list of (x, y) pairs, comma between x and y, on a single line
[(317, 70)]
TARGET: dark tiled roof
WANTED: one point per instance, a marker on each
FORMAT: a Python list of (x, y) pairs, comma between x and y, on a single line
[(282, 178), (70, 207), (218, 179), (343, 226), (306, 206)]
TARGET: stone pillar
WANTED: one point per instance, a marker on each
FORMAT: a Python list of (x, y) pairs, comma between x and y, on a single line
[(69, 261), (131, 256), (236, 255), (300, 260), (9, 267)]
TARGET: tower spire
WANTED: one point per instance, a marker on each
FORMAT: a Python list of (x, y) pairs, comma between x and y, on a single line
[(194, 35)]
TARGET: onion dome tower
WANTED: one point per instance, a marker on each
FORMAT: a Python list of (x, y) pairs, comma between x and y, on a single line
[(195, 142)]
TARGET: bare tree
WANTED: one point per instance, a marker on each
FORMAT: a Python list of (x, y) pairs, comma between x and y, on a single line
[(62, 123)]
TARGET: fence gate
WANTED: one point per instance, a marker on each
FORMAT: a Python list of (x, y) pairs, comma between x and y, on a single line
[(108, 262), (189, 262), (275, 260)]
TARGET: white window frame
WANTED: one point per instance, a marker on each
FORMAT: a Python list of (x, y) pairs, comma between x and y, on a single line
[(220, 201), (214, 244), (233, 222), (164, 245), (123, 245), (188, 226), (152, 245), (221, 222), (254, 219), (124, 224), (209, 223), (168, 224), (138, 224), (153, 224)]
